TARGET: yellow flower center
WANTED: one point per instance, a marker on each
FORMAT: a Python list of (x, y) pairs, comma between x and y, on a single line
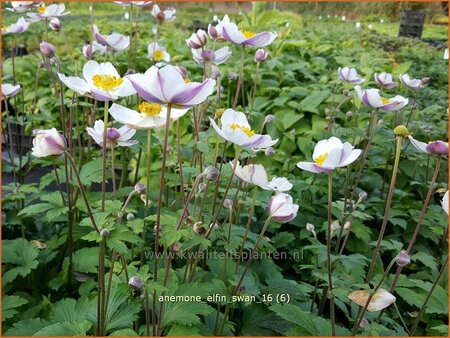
[(186, 80), (106, 82), (246, 130), (158, 55), (248, 34), (384, 100), (6, 28), (321, 159), (41, 9), (150, 108)]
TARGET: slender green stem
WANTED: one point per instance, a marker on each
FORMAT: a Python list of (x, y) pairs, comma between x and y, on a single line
[(10, 141), (255, 83), (83, 192), (180, 162), (329, 263), (101, 290), (162, 184), (247, 266), (428, 297), (105, 129), (147, 201), (108, 289), (418, 226), (387, 208), (247, 228), (241, 74), (113, 171)]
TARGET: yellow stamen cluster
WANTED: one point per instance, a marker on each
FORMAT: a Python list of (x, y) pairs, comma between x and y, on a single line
[(6, 28), (384, 100), (319, 160), (150, 108), (41, 9), (158, 55), (246, 130), (106, 82), (186, 80), (248, 34)]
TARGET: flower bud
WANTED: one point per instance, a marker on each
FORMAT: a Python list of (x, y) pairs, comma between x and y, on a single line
[(215, 74), (197, 40), (47, 143), (130, 71), (212, 173), (140, 188), (202, 187), (269, 151), (232, 76), (47, 49), (402, 259), (346, 92), (212, 31), (176, 246), (135, 282), (228, 204), (349, 113), (362, 196), (130, 217), (127, 16), (269, 118), (281, 208), (401, 130), (208, 55), (55, 24), (261, 55), (104, 233), (309, 227), (364, 323)]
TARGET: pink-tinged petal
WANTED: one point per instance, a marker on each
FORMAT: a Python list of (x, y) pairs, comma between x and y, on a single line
[(351, 158), (142, 84), (221, 55), (170, 81), (261, 40), (193, 94), (101, 95), (126, 133), (396, 103), (437, 147), (127, 143), (258, 141), (231, 33), (217, 129), (314, 168), (124, 115), (75, 83), (421, 146)]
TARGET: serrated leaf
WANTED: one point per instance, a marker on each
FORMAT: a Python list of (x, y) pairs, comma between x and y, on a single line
[(18, 252), (9, 305), (65, 329), (26, 327)]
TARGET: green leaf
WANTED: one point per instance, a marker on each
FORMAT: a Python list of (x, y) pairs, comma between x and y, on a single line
[(426, 260), (72, 311), (183, 331), (26, 327), (9, 305), (65, 329), (313, 100), (124, 333), (86, 260), (184, 313), (18, 252)]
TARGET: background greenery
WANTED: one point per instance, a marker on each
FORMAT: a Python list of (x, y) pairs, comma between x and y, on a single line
[(298, 86)]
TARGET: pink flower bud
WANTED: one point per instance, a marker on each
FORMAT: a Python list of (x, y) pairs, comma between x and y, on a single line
[(47, 49), (197, 40), (281, 208), (47, 143), (261, 55), (55, 24)]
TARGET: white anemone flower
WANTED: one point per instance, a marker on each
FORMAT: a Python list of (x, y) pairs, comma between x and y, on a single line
[(47, 12), (101, 81), (20, 26), (212, 57), (149, 115), (414, 84), (281, 208), (115, 42), (380, 300), (163, 16), (372, 98), (216, 32), (23, 6), (117, 137), (445, 202), (236, 129), (232, 33), (349, 75), (256, 174), (157, 53), (330, 154), (48, 143), (9, 90)]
